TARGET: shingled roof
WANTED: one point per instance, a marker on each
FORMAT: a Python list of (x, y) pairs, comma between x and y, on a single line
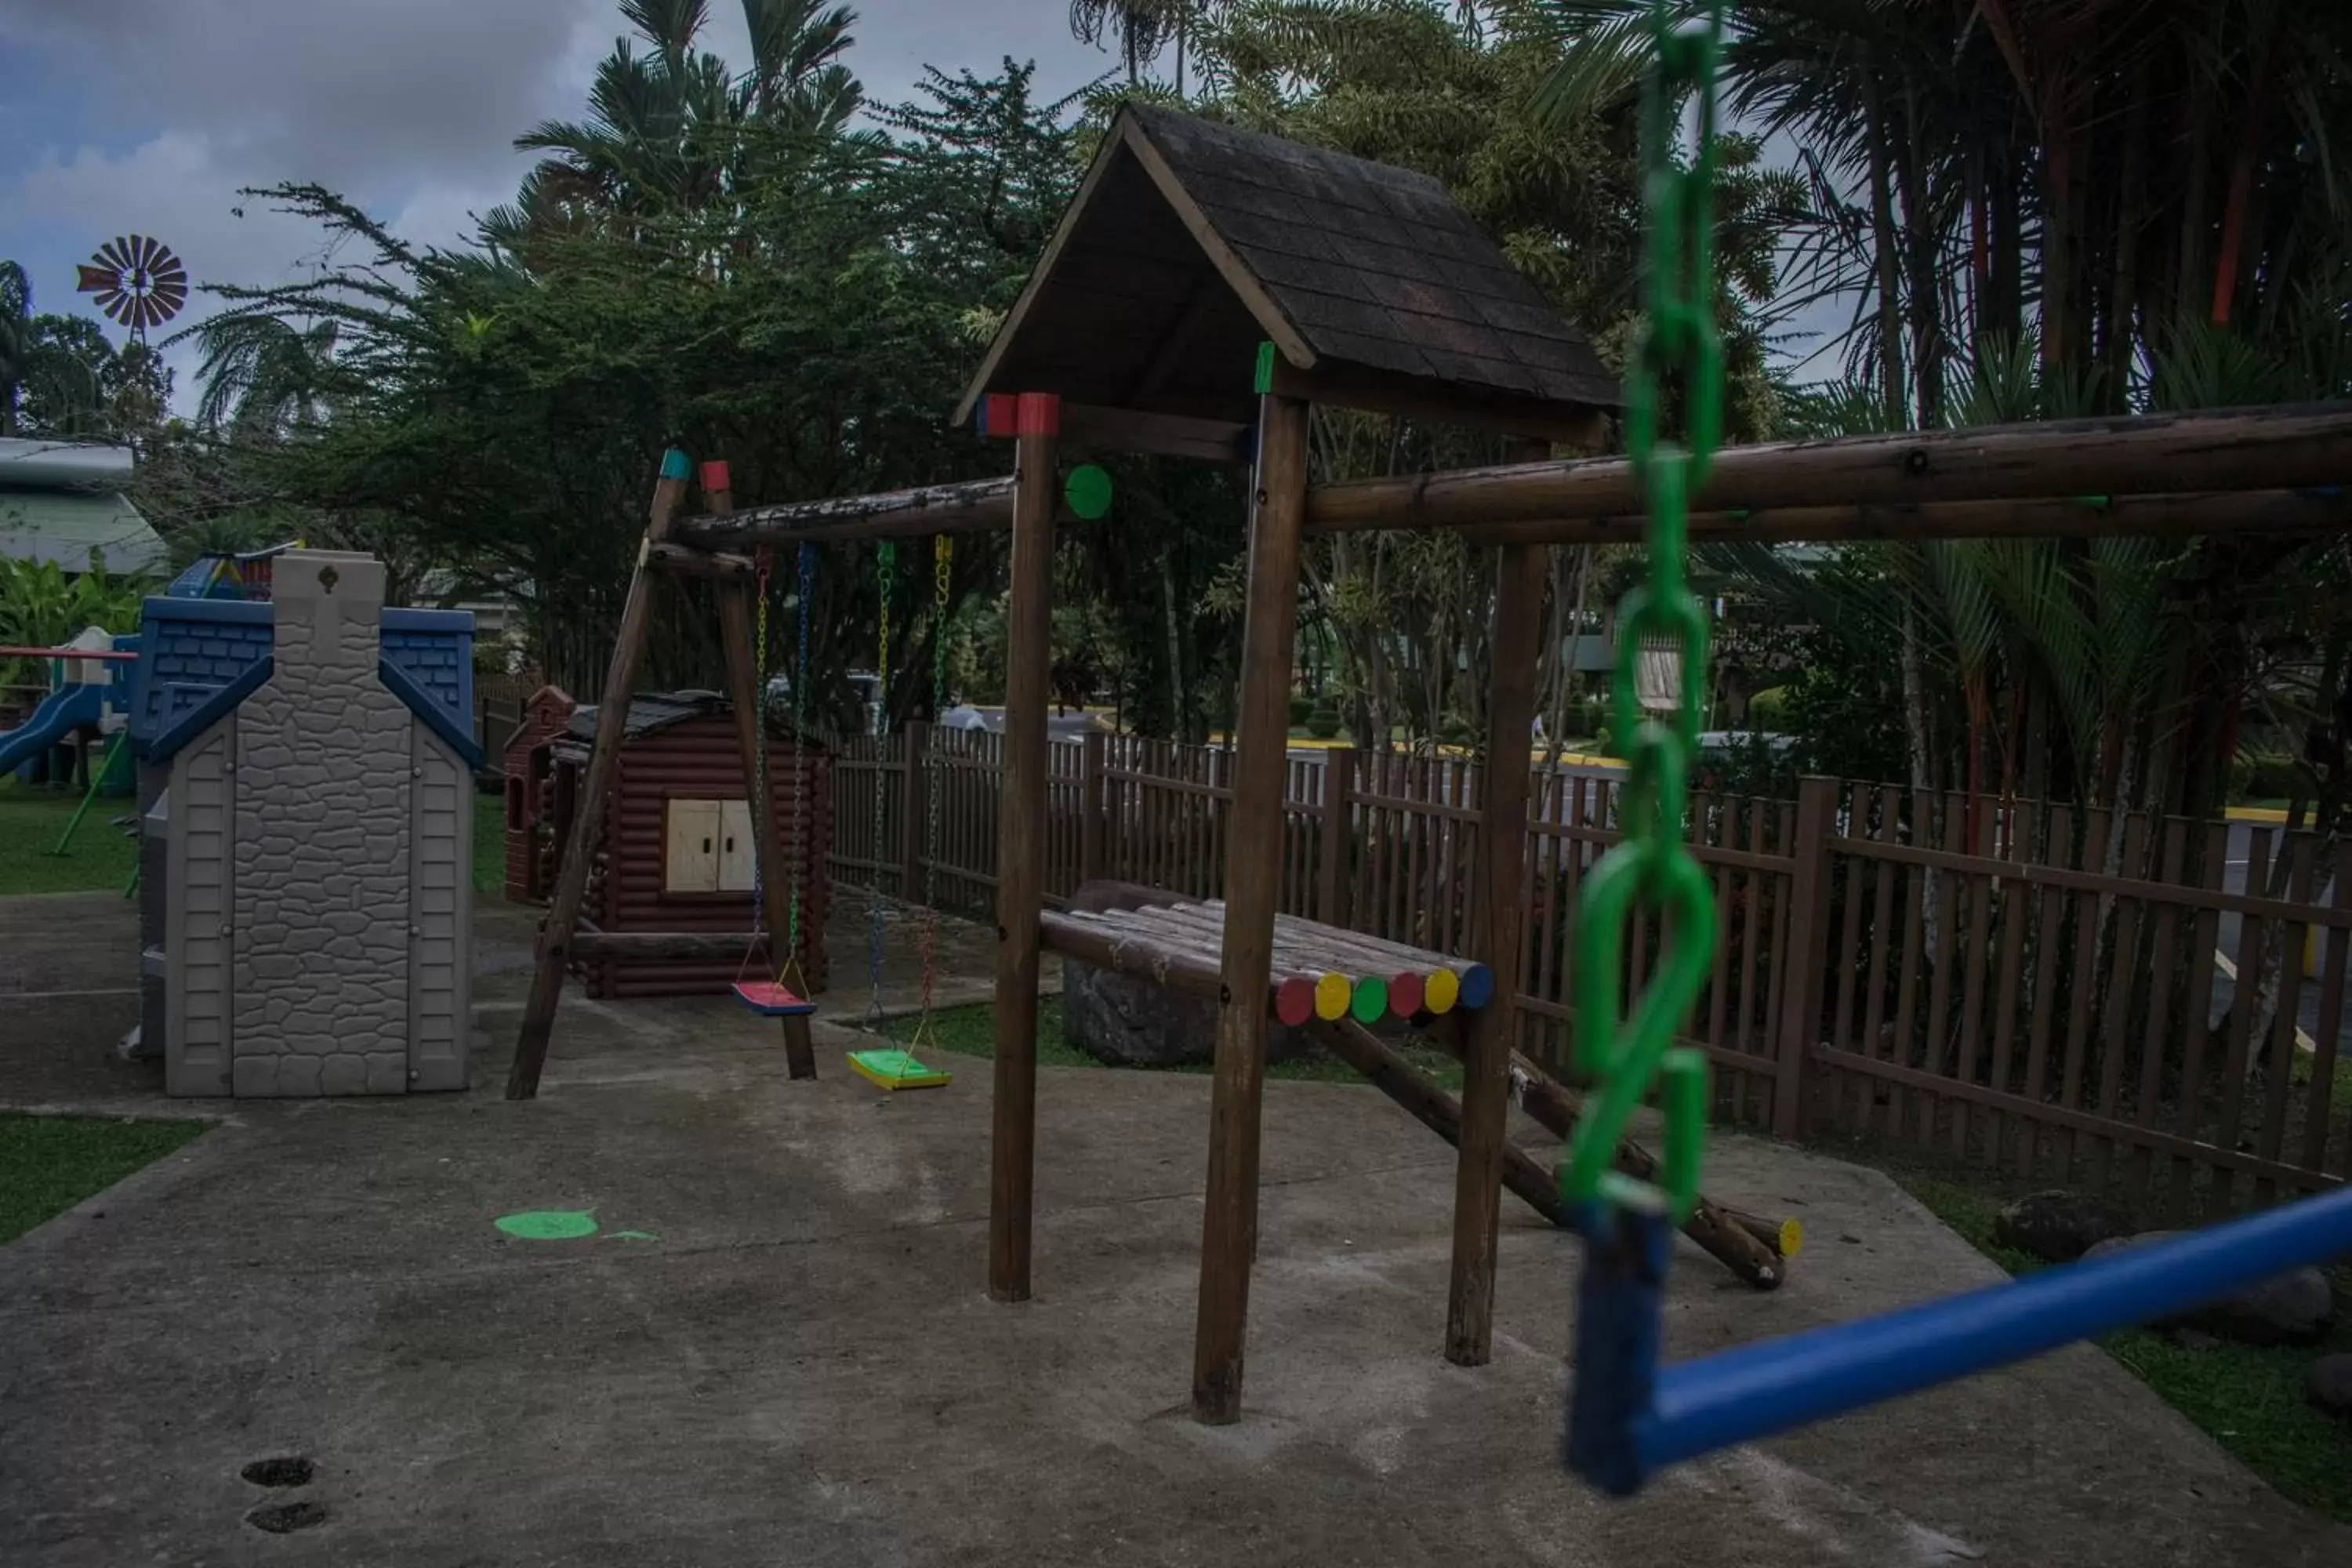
[(1191, 242)]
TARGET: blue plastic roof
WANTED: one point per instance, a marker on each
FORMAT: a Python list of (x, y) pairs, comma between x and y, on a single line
[(200, 658), (435, 648), (189, 651)]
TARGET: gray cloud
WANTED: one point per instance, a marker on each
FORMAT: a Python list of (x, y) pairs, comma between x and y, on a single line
[(411, 107)]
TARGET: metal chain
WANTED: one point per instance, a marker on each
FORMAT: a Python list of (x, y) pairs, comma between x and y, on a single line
[(1650, 868), (942, 575), (804, 586), (759, 758), (886, 567)]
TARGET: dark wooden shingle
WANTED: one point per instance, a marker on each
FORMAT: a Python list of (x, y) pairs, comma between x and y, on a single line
[(1348, 266)]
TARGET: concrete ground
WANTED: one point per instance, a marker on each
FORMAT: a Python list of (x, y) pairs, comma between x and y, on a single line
[(795, 1363)]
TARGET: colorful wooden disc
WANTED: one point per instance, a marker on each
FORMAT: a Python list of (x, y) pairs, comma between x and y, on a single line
[(1371, 1001), (1294, 1000), (1440, 991), (1477, 986), (1405, 994), (1332, 995)]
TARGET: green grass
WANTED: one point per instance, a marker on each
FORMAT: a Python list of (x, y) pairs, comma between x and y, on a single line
[(48, 1164), (2248, 1398), (30, 822), (100, 855), (971, 1031)]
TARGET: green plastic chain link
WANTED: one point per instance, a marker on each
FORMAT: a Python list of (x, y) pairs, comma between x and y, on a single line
[(1650, 868)]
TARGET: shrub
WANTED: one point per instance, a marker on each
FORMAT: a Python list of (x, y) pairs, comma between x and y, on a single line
[(2266, 776), (1769, 709), (1300, 706), (1323, 721)]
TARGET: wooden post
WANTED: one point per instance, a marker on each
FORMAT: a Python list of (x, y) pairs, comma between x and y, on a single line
[(735, 634), (1800, 1024), (1094, 801), (1331, 900), (1253, 873), (914, 807), (1021, 854), (588, 820), (1497, 907)]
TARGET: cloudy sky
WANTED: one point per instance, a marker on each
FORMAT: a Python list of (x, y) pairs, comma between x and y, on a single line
[(120, 116), (145, 116)]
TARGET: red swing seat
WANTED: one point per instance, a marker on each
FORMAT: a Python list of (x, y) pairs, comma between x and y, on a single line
[(773, 999)]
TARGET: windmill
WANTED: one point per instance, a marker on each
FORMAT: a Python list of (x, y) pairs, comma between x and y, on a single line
[(138, 281)]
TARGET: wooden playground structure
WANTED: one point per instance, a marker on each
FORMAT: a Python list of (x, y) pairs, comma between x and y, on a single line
[(1191, 254)]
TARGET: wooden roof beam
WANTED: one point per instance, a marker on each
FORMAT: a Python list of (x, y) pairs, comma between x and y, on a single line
[(2222, 513), (970, 507), (2306, 447)]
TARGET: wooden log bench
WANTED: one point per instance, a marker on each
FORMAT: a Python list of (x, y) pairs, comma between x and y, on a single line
[(1153, 935)]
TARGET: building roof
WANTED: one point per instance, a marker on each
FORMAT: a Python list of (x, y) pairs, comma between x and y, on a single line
[(1191, 242), (66, 527), (650, 712)]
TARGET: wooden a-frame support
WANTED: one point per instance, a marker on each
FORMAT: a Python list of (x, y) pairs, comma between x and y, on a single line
[(559, 931)]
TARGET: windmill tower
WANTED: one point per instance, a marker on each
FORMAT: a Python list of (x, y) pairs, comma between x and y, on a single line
[(139, 282)]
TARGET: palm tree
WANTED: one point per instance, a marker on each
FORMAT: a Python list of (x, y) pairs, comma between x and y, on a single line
[(1143, 27), (263, 375), (671, 129), (2099, 171)]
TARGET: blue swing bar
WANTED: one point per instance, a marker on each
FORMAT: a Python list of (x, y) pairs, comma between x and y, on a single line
[(1628, 1418)]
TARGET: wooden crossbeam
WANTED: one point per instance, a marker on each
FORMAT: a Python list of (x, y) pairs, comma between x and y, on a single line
[(2295, 449)]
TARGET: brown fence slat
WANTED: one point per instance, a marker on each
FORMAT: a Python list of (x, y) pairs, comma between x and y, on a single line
[(2242, 1017), (2164, 978), (2125, 982), (2015, 912), (2334, 950), (2279, 1069)]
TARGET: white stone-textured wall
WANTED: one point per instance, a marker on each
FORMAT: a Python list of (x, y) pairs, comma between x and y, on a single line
[(324, 757), (441, 891), (196, 948)]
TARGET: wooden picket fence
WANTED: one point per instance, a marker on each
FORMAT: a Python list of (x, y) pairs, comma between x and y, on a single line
[(2003, 983)]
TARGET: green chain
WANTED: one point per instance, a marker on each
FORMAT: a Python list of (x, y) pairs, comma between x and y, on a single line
[(1650, 868)]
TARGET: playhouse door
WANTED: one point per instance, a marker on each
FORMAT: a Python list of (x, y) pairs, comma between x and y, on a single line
[(690, 852), (736, 853)]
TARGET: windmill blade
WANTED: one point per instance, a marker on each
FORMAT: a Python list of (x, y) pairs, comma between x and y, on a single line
[(94, 278), (167, 268), (116, 253), (146, 249)]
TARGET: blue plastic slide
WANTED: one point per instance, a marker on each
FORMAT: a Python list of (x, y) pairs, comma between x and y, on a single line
[(61, 712)]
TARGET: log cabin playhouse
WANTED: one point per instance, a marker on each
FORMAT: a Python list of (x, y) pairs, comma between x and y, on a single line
[(676, 853)]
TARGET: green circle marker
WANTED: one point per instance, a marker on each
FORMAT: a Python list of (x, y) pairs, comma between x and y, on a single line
[(1372, 999), (1087, 489), (548, 1225)]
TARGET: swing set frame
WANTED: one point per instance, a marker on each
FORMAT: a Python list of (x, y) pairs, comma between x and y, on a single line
[(2249, 472)]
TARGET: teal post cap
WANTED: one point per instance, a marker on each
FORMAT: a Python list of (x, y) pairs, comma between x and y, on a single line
[(675, 465)]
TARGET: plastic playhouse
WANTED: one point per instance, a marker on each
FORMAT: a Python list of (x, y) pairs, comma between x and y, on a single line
[(306, 769)]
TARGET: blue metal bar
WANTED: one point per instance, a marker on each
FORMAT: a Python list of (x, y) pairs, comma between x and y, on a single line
[(1739, 1396)]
